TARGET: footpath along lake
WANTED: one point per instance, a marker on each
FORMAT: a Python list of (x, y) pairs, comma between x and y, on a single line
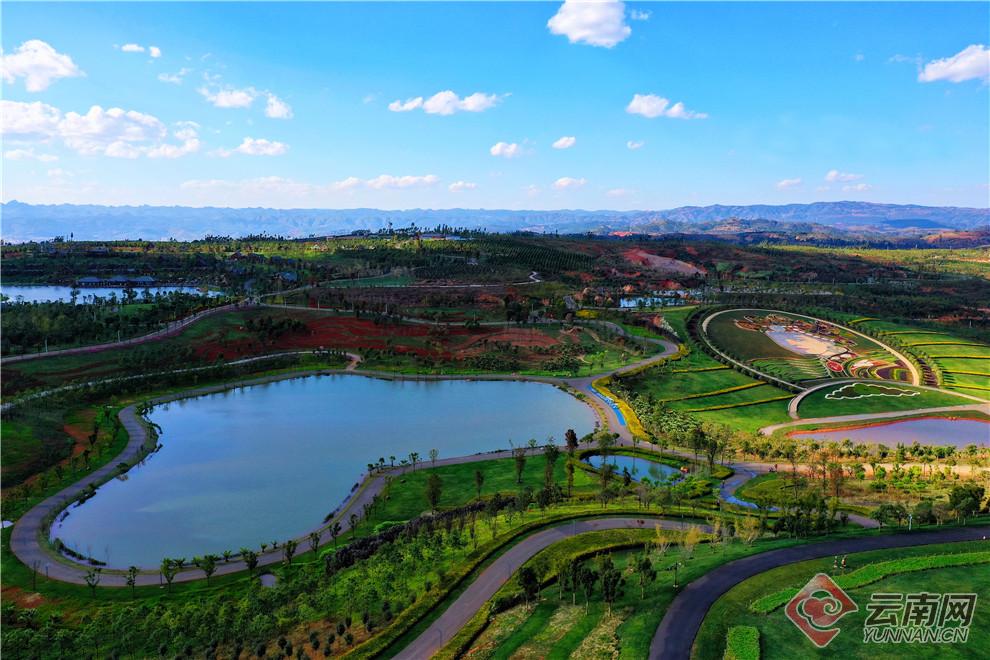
[(268, 462)]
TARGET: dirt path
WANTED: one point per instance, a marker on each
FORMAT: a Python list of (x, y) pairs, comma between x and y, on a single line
[(498, 573), (675, 636)]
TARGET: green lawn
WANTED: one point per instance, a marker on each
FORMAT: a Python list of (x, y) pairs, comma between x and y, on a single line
[(873, 397), (781, 639), (407, 498)]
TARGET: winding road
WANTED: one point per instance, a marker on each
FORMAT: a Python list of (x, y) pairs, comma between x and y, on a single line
[(675, 636), (498, 573)]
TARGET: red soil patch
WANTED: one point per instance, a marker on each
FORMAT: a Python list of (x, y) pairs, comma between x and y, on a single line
[(641, 257), (21, 598), (517, 336)]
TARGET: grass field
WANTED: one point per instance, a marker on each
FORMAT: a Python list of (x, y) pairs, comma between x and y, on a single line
[(781, 639), (853, 399)]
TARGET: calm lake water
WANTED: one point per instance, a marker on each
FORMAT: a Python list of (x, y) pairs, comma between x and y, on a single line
[(269, 462), (927, 431), (638, 467), (45, 293)]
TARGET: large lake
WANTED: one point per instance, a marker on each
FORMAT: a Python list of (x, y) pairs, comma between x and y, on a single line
[(957, 432), (269, 462), (45, 293)]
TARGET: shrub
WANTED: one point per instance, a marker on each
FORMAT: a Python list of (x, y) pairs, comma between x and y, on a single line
[(742, 643)]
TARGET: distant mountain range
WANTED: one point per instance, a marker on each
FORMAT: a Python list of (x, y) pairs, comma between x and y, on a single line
[(25, 222)]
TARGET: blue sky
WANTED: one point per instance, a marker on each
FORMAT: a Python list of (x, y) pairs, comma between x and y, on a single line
[(314, 105)]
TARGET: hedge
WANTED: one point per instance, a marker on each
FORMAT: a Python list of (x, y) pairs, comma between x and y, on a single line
[(699, 369), (724, 390), (742, 643), (740, 405), (875, 572)]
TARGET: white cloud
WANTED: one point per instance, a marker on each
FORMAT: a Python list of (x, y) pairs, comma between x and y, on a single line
[(460, 186), (131, 48), (532, 190), (565, 182), (857, 187), (506, 150), (154, 51), (407, 105), (230, 97), (619, 192), (29, 154), (255, 147), (636, 15), (652, 106), (971, 63), (446, 103), (633, 145), (859, 57), (39, 64), (784, 184), (565, 142), (385, 181), (349, 183), (833, 176), (175, 78), (601, 23), (276, 108), (113, 132)]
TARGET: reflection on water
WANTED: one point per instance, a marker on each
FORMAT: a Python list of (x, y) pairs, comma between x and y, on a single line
[(926, 431), (269, 462)]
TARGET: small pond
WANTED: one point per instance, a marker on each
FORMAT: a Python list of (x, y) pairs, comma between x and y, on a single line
[(269, 462), (45, 293), (957, 432), (638, 467)]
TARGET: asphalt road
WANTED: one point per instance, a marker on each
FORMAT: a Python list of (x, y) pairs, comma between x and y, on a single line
[(675, 636), (498, 573)]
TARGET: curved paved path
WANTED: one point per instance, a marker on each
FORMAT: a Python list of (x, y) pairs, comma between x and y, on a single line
[(498, 573), (675, 636)]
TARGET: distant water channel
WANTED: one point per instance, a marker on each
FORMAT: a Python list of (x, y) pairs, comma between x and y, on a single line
[(269, 462), (46, 293), (926, 431)]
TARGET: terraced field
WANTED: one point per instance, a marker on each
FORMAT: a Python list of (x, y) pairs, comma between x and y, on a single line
[(857, 398)]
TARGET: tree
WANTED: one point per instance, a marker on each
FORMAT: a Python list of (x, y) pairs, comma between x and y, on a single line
[(132, 573), (646, 572), (890, 513), (661, 541), (569, 469), (93, 578), (571, 440), (250, 558), (964, 500), (748, 529), (550, 454), (588, 578), (691, 538), (335, 532), (208, 564), (612, 582), (289, 550), (314, 541), (519, 456), (479, 481), (169, 570), (434, 455), (605, 478), (529, 583), (434, 487), (413, 458)]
